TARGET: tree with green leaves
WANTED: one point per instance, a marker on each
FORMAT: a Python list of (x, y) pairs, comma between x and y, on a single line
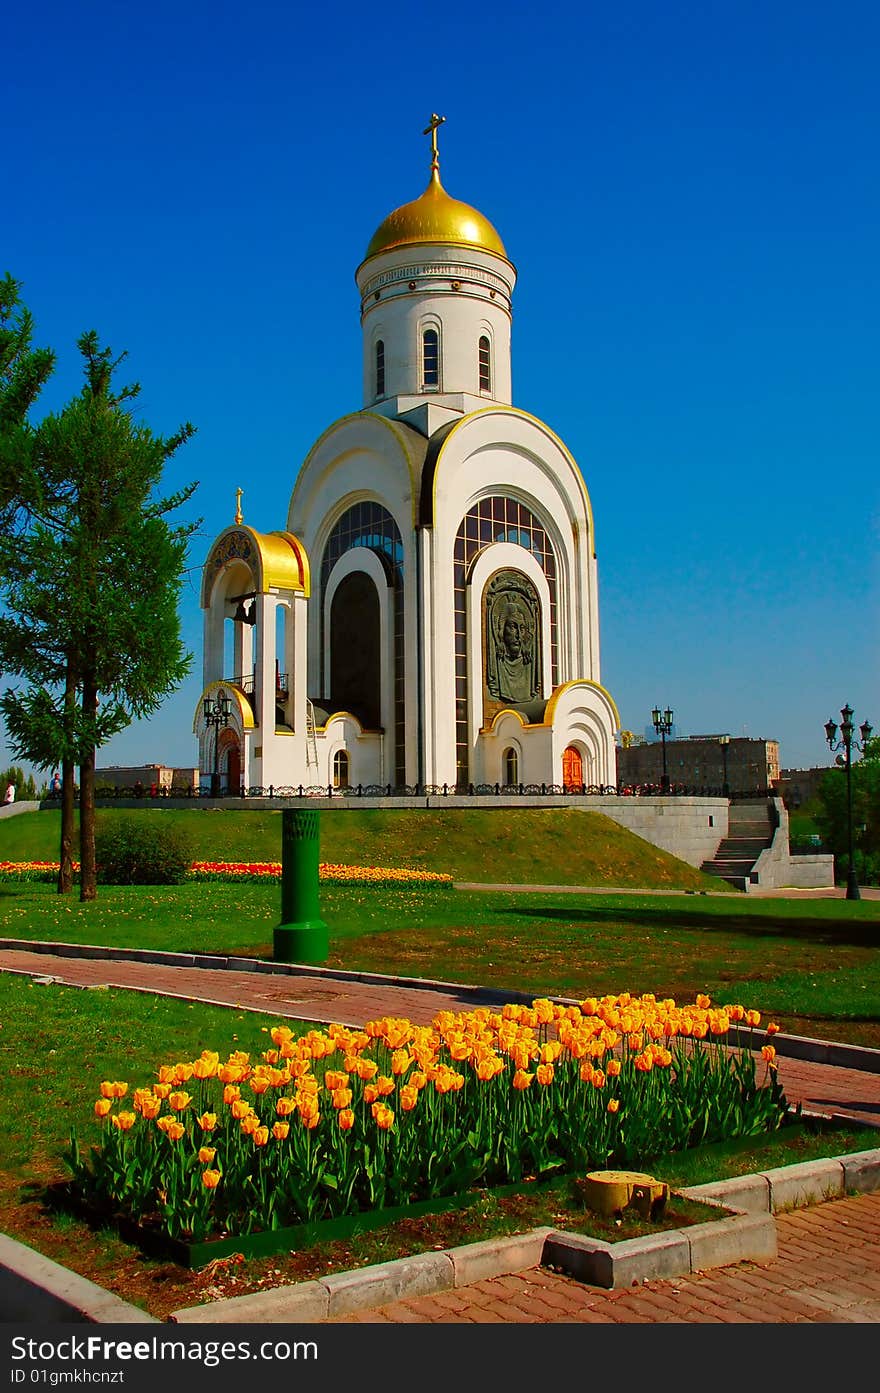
[(24, 371), (91, 586), (832, 819)]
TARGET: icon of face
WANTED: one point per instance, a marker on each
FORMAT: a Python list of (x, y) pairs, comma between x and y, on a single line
[(512, 636)]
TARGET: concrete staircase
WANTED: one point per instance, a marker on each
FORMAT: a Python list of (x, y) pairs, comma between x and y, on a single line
[(750, 830)]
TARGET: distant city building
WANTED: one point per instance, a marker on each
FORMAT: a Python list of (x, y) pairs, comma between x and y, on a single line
[(698, 761), (799, 786), (146, 777)]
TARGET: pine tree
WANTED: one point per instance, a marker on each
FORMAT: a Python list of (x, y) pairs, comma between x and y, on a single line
[(92, 588)]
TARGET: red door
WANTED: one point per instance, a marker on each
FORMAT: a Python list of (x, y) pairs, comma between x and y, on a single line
[(572, 768)]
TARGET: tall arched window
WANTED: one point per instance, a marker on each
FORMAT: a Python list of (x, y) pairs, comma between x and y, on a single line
[(430, 358), (485, 366), (340, 769), (511, 767), (380, 368)]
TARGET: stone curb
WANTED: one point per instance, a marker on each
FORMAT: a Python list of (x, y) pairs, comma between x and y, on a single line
[(746, 1235), (33, 1287), (841, 1056)]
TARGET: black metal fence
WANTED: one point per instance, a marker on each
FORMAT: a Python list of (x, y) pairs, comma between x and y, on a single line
[(374, 791)]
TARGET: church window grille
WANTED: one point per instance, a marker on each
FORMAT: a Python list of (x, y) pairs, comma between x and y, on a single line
[(495, 519), (511, 767), (430, 358), (485, 368), (341, 766), (380, 368), (368, 524)]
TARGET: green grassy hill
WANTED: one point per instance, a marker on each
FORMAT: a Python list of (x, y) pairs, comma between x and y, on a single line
[(520, 846)]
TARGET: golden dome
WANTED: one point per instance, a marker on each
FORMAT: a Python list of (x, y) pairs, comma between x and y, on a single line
[(435, 217)]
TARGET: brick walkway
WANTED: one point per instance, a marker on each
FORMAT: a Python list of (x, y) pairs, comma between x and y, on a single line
[(827, 1270)]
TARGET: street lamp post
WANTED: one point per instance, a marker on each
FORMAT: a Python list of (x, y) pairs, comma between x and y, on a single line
[(663, 726), (847, 744), (217, 713), (724, 741)]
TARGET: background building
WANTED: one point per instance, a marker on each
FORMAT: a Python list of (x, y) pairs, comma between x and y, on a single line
[(698, 761)]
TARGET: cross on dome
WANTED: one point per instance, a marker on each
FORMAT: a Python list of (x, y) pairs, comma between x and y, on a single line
[(431, 130)]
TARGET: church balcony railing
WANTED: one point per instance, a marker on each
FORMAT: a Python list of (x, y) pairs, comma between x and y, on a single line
[(246, 683)]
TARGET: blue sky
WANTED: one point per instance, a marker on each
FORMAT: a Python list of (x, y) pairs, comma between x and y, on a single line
[(690, 195)]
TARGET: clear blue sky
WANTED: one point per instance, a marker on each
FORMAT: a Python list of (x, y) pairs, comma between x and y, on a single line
[(690, 195)]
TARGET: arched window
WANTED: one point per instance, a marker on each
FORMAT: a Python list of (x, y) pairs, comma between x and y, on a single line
[(511, 766), (340, 769), (430, 358), (485, 367), (380, 368)]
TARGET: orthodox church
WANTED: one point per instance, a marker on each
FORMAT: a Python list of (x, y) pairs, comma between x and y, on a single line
[(429, 613)]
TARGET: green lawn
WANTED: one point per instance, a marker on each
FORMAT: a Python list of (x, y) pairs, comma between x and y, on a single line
[(813, 965), (520, 846)]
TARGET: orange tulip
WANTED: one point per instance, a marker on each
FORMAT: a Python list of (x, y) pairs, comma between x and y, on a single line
[(284, 1107), (544, 1074), (341, 1097), (206, 1154), (240, 1108), (409, 1096), (521, 1079), (207, 1121), (613, 1068), (179, 1101), (768, 1053), (102, 1107), (613, 1105), (280, 1130), (210, 1179), (753, 1017), (345, 1118), (261, 1136), (124, 1121), (383, 1116), (161, 1090), (772, 1028)]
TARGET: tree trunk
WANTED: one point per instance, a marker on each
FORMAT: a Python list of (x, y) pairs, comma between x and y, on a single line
[(68, 817), (68, 797), (88, 880)]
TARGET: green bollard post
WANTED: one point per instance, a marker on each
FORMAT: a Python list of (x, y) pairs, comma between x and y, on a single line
[(302, 935)]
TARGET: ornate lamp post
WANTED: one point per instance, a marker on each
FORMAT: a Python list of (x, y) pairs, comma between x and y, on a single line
[(663, 726), (848, 744), (217, 713), (724, 741)]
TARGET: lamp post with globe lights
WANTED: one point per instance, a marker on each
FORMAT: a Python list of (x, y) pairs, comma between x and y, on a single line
[(663, 726), (217, 712), (848, 744)]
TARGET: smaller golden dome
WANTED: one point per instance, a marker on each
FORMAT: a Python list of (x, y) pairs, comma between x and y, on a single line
[(435, 217)]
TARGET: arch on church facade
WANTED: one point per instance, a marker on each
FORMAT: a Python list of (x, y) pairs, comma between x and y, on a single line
[(365, 541)]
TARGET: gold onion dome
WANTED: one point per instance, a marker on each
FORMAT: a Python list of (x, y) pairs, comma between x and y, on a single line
[(435, 217)]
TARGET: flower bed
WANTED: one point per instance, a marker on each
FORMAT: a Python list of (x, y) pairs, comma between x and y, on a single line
[(342, 1122), (237, 871)]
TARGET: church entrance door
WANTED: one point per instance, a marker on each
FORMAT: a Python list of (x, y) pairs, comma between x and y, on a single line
[(234, 770), (572, 768)]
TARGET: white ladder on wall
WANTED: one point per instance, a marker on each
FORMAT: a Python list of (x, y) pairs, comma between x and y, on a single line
[(311, 742)]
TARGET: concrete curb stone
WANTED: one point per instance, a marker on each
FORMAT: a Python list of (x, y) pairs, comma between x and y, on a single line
[(806, 1182), (33, 1287)]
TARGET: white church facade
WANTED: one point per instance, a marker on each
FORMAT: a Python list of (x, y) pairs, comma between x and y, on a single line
[(428, 616)]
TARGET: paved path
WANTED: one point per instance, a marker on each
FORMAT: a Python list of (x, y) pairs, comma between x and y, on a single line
[(827, 1270)]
